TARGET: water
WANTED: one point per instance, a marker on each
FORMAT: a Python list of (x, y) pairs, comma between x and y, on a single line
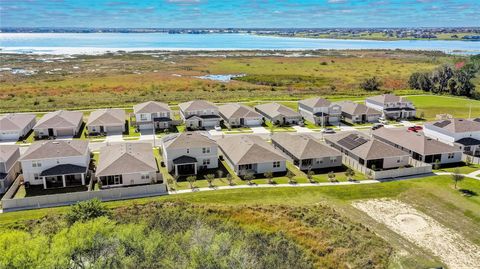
[(221, 77), (93, 43)]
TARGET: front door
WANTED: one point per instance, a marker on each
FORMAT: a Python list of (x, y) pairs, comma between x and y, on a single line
[(50, 132), (199, 123), (102, 129), (242, 121), (117, 180)]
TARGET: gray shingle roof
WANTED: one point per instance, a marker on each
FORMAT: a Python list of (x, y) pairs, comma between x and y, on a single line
[(370, 150), (64, 169), (15, 122), (457, 125), (249, 149), (304, 146), (315, 102), (353, 108), (188, 140), (6, 152), (388, 98), (151, 107), (126, 158), (60, 119), (106, 117), (55, 149), (196, 105), (417, 142), (275, 109), (234, 110)]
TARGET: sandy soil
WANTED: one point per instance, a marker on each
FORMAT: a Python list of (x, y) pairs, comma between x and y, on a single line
[(452, 248)]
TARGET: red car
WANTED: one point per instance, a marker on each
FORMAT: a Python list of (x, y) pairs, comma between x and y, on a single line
[(415, 128)]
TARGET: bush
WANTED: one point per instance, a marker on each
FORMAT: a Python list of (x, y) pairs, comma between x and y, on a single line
[(86, 210), (371, 84)]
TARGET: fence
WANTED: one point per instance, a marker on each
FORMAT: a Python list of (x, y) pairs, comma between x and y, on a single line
[(472, 159), (63, 199), (417, 168)]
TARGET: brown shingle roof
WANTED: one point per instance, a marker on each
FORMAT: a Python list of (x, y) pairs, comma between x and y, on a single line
[(234, 110), (151, 107), (417, 142), (6, 151), (249, 149), (56, 149), (457, 125), (15, 122), (315, 102), (188, 140), (126, 158), (196, 105), (275, 109), (60, 119), (353, 108), (304, 146), (387, 98), (107, 117)]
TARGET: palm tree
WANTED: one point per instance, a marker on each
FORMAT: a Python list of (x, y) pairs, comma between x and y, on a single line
[(290, 177), (350, 174), (249, 176), (210, 178), (191, 180), (269, 176), (457, 177), (310, 175)]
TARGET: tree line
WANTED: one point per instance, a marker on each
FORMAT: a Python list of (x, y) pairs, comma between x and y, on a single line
[(449, 79)]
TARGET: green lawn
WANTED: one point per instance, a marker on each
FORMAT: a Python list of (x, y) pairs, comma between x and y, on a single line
[(464, 169), (432, 105), (270, 126)]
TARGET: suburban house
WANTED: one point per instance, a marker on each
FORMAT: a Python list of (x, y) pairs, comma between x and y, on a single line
[(320, 111), (187, 153), (106, 121), (279, 114), (126, 164), (56, 164), (367, 151), (59, 123), (419, 146), (250, 153), (16, 126), (462, 133), (392, 106), (9, 165), (307, 152), (353, 112), (236, 115), (199, 114), (151, 115)]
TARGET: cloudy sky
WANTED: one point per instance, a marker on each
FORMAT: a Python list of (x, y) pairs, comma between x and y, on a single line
[(237, 13)]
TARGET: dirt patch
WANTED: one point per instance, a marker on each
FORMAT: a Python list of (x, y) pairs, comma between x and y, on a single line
[(452, 248)]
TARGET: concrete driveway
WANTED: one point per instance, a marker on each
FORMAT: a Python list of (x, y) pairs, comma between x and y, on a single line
[(259, 130), (114, 137), (301, 129)]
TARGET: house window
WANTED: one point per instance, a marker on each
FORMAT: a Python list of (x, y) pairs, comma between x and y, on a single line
[(36, 176), (188, 150), (451, 155), (145, 176), (206, 150), (333, 159), (143, 116), (206, 162), (246, 167), (276, 164), (36, 164)]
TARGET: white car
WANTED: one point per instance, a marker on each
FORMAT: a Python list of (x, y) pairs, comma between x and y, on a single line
[(218, 128)]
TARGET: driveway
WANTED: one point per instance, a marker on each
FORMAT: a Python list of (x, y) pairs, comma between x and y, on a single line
[(259, 130), (114, 137), (300, 129), (8, 142)]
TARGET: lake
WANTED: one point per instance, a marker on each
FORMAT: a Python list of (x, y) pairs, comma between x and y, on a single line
[(94, 43)]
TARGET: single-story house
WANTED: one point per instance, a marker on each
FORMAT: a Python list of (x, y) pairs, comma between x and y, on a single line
[(250, 153), (56, 163), (306, 151), (320, 111), (126, 164), (16, 126), (9, 165), (392, 106), (236, 115), (107, 121), (367, 151), (187, 153), (419, 146), (59, 123), (461, 133), (279, 114), (199, 114), (353, 112), (152, 114)]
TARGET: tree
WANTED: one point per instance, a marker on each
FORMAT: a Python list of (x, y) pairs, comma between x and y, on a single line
[(220, 173), (230, 179), (310, 175), (350, 174), (191, 181), (468, 160), (331, 176), (269, 176), (291, 177), (436, 165), (249, 176), (210, 178), (86, 210), (457, 177), (371, 84)]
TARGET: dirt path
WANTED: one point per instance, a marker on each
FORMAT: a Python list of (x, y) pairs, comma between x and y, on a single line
[(452, 248)]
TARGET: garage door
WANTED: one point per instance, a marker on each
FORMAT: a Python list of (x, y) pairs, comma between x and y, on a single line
[(9, 136), (65, 132), (254, 122), (114, 129)]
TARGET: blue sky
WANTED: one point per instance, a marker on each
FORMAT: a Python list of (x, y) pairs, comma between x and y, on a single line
[(235, 13)]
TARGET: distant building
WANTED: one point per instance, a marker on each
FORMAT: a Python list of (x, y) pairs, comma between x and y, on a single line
[(236, 115), (199, 114), (392, 106), (152, 114), (353, 112), (59, 123), (320, 111), (279, 114), (107, 121), (9, 165), (16, 126)]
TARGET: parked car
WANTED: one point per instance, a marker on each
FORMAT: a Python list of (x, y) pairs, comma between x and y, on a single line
[(218, 128), (377, 126), (328, 131), (415, 128)]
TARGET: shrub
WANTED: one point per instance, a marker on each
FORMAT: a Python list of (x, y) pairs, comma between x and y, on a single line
[(86, 210)]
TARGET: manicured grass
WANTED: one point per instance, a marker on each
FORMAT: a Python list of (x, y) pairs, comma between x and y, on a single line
[(430, 106), (270, 126), (463, 169)]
